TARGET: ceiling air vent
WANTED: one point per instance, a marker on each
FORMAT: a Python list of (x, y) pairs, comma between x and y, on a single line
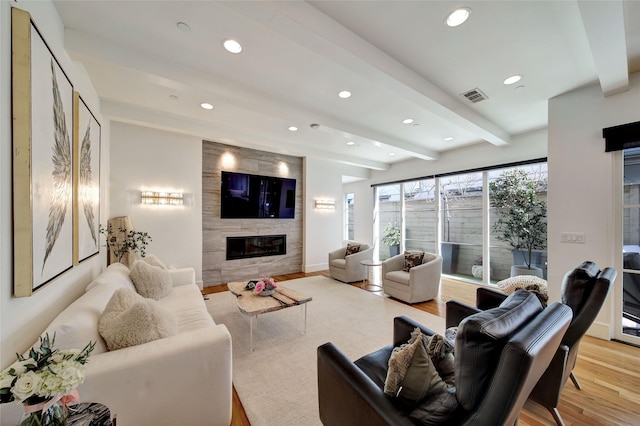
[(475, 95)]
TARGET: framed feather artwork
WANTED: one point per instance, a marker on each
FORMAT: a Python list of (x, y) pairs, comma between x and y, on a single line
[(86, 142), (42, 108)]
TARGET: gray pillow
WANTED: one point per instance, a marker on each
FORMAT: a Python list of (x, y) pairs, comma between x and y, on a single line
[(150, 281)]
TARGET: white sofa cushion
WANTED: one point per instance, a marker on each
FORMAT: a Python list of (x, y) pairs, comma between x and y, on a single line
[(150, 281), (115, 276), (130, 319), (187, 306), (153, 260), (78, 323)]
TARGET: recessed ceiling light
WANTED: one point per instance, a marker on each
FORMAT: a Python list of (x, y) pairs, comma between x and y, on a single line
[(513, 79), (407, 121), (184, 27), (293, 129), (344, 94), (458, 16), (206, 105), (232, 46), (351, 143), (391, 154), (448, 138)]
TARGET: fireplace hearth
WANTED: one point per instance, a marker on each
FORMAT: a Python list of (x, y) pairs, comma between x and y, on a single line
[(256, 246)]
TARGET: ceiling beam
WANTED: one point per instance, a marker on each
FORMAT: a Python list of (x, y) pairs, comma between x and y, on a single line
[(303, 24), (146, 117), (604, 25)]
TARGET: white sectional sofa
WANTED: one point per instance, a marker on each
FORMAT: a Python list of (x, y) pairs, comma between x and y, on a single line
[(183, 379)]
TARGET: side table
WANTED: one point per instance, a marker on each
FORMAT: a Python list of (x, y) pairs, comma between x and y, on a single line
[(369, 263), (89, 414)]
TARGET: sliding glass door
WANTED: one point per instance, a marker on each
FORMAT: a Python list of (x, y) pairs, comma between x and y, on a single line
[(451, 215)]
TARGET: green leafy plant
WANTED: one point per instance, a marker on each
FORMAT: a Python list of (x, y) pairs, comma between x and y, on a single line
[(521, 213), (391, 235), (121, 241)]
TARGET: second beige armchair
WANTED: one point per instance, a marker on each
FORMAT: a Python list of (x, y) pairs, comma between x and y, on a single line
[(420, 284)]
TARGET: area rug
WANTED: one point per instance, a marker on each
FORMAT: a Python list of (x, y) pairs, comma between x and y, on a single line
[(277, 382)]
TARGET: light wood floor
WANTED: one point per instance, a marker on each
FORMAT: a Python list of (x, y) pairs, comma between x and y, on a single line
[(609, 372)]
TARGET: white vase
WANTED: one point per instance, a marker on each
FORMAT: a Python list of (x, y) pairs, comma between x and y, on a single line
[(523, 270), (476, 271)]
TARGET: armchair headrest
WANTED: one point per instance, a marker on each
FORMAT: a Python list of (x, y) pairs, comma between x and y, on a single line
[(578, 284), (480, 340)]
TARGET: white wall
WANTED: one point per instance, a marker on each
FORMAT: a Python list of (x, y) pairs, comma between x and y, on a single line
[(584, 187), (22, 319), (157, 160), (323, 230)]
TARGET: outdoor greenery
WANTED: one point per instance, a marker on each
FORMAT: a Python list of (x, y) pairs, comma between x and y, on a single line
[(391, 235), (521, 213)]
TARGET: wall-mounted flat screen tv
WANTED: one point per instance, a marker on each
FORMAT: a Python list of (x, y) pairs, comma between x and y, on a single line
[(245, 196)]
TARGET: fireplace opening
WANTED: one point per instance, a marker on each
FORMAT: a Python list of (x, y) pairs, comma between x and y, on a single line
[(256, 246)]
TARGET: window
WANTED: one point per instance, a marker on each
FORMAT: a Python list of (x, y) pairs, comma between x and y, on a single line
[(389, 220), (348, 216), (420, 208), (452, 215), (631, 243)]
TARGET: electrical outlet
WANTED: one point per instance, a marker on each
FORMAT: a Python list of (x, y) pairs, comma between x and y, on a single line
[(572, 237)]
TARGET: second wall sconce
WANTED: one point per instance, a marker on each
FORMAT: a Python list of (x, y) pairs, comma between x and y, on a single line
[(162, 198), (325, 204)]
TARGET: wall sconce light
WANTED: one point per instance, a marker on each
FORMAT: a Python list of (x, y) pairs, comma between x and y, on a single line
[(162, 198), (325, 204)]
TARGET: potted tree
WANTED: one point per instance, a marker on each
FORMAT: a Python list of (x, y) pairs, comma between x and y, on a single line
[(391, 238), (521, 216)]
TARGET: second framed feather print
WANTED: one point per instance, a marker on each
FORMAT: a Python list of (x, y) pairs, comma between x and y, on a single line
[(87, 181)]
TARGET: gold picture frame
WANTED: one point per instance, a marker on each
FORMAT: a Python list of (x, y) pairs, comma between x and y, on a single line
[(42, 114), (86, 188)]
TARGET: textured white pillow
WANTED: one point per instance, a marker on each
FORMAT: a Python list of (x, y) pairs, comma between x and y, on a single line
[(512, 284), (150, 281), (129, 319), (153, 260)]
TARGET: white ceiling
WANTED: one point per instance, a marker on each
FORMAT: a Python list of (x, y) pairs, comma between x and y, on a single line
[(397, 58)]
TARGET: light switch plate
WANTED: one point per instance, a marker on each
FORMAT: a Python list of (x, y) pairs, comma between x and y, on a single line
[(572, 237)]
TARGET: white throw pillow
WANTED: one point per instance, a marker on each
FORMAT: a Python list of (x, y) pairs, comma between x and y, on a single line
[(129, 319), (518, 282), (153, 260), (150, 281)]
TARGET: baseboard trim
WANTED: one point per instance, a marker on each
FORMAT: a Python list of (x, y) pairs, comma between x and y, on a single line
[(600, 330), (316, 268)]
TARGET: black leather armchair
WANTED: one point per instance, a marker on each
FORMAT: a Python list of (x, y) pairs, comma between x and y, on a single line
[(584, 290), (519, 336)]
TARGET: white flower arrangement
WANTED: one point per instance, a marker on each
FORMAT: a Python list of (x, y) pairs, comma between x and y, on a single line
[(46, 374)]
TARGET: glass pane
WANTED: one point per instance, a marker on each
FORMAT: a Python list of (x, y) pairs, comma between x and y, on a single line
[(349, 205), (631, 243), (389, 220), (518, 219), (420, 215), (461, 217)]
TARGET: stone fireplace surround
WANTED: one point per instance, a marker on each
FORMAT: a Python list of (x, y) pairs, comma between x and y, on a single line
[(216, 269)]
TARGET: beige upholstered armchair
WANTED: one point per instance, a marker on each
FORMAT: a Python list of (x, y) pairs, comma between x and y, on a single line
[(348, 268), (420, 284)]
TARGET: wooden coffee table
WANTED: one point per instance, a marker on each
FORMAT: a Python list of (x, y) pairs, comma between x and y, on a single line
[(253, 305)]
